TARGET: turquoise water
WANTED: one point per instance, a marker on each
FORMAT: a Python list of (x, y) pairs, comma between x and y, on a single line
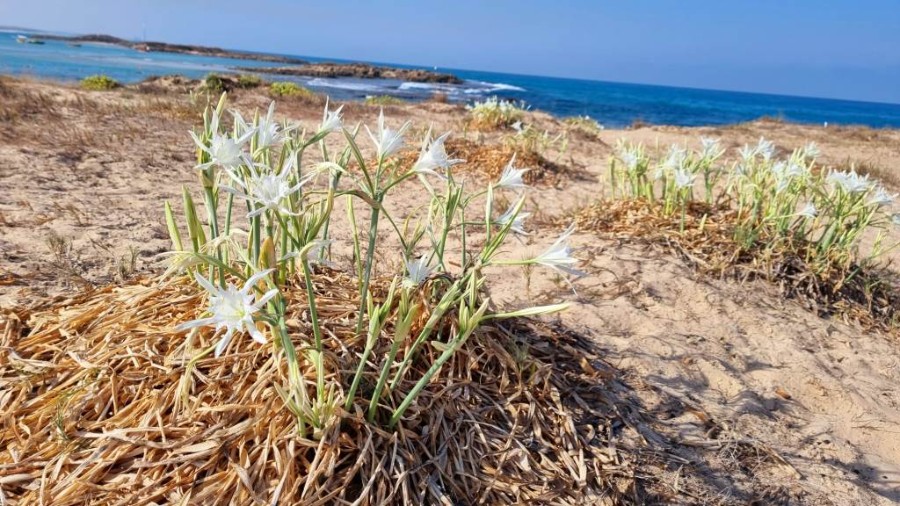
[(612, 104)]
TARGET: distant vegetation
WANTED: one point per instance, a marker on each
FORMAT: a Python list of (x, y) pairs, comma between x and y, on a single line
[(383, 100), (247, 81), (585, 124), (494, 113), (99, 83), (289, 89)]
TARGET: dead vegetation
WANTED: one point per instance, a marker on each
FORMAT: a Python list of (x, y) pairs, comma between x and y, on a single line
[(102, 403)]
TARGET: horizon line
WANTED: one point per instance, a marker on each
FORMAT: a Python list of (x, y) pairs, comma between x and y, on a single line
[(430, 67)]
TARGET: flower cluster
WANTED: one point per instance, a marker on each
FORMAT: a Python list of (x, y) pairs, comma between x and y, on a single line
[(258, 166)]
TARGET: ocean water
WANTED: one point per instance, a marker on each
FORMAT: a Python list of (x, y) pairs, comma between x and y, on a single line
[(612, 104)]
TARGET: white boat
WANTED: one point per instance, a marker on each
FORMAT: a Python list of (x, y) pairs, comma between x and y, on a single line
[(21, 39)]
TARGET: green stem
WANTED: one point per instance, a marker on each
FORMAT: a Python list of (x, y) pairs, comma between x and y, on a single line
[(317, 331), (370, 256)]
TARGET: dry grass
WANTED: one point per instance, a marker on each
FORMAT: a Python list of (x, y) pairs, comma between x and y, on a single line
[(101, 404), (708, 244), (487, 161)]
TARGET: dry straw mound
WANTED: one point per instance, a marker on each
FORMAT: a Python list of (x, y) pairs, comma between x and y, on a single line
[(487, 161), (100, 403)]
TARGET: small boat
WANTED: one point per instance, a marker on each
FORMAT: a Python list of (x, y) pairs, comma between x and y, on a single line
[(36, 41), (21, 39)]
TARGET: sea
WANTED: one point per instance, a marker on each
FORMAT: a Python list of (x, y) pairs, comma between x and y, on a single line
[(612, 104)]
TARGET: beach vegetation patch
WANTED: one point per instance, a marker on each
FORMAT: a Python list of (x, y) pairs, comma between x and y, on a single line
[(288, 89), (214, 83), (99, 82), (493, 113), (258, 370), (584, 124), (249, 81), (382, 100), (819, 234)]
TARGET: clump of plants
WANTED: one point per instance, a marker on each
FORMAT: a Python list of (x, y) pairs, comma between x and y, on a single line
[(281, 377), (249, 81), (529, 139), (288, 89), (493, 113), (214, 83), (780, 217), (584, 124), (382, 100), (99, 82)]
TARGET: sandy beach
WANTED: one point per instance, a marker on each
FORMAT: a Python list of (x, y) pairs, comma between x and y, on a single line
[(758, 398)]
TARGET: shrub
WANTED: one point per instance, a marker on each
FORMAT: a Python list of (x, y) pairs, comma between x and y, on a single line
[(99, 83), (289, 89), (247, 81), (494, 113), (214, 83)]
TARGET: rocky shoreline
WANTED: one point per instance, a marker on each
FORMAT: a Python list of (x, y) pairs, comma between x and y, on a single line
[(359, 70), (164, 47)]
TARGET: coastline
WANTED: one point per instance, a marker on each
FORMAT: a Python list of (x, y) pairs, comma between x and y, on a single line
[(613, 104)]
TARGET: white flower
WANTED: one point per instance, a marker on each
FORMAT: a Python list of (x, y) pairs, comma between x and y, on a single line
[(224, 151), (559, 255), (747, 153), (232, 309), (629, 154), (809, 211), (331, 120), (784, 172), (766, 148), (684, 179), (268, 132), (388, 141), (710, 148), (881, 198), (675, 157), (418, 272), (851, 182), (518, 220), (511, 178), (269, 191), (434, 156), (811, 151)]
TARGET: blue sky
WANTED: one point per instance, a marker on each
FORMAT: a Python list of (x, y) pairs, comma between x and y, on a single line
[(841, 49)]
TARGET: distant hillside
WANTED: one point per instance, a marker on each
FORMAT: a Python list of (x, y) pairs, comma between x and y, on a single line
[(164, 47)]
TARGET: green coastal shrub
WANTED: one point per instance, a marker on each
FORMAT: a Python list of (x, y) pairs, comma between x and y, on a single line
[(99, 82), (289, 89), (214, 83), (247, 81)]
